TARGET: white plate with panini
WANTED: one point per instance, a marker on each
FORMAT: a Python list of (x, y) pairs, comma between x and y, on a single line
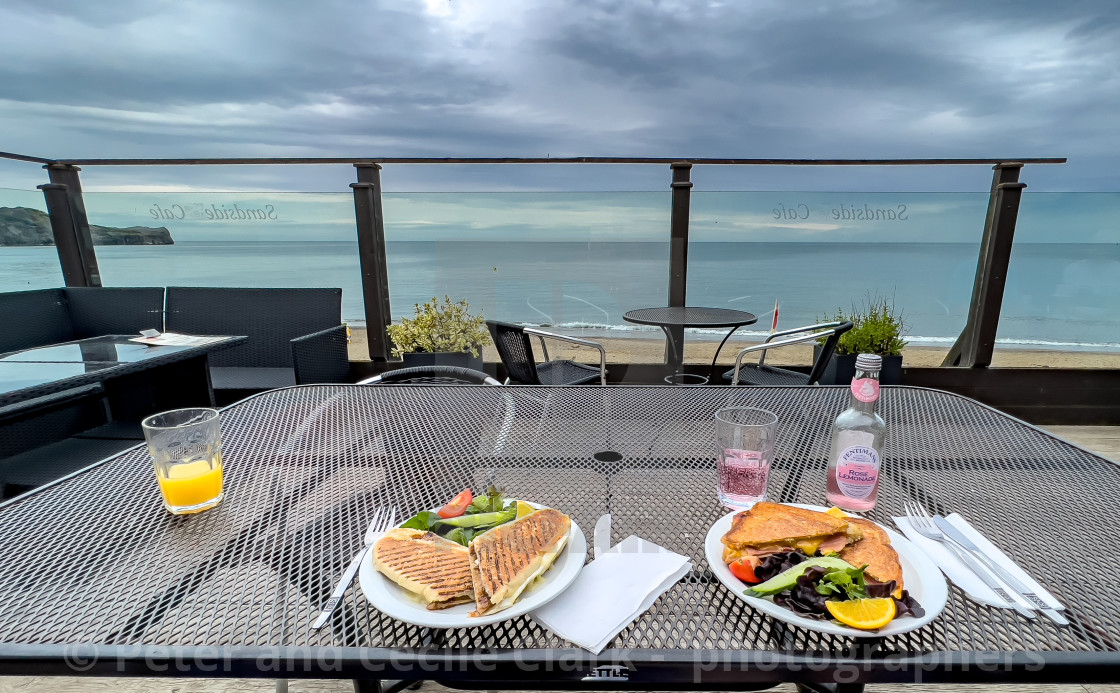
[(920, 577), (534, 587)]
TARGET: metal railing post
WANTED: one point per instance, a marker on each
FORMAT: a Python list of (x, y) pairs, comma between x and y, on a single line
[(371, 256), (73, 224), (976, 343), (678, 243), (75, 271)]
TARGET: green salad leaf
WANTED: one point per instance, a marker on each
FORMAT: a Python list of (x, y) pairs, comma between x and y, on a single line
[(492, 501), (424, 520), (844, 584), (461, 535), (485, 512)]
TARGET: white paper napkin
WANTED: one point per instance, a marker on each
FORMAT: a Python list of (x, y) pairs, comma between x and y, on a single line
[(959, 572), (611, 592)]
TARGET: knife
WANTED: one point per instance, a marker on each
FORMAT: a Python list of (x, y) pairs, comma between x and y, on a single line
[(1015, 583), (601, 539)]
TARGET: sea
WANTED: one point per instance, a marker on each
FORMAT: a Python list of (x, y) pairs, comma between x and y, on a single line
[(1058, 295)]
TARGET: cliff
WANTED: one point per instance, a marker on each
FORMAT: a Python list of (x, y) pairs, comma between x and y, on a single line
[(26, 226)]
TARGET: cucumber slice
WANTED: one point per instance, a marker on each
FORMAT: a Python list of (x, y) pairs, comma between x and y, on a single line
[(481, 519), (787, 579)]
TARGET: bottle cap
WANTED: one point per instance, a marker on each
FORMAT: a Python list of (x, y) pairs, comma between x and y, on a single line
[(869, 362)]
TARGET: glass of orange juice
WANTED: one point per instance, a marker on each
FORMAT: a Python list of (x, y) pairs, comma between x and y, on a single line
[(186, 447)]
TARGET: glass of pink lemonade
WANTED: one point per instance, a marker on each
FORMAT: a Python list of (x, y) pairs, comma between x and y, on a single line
[(745, 449)]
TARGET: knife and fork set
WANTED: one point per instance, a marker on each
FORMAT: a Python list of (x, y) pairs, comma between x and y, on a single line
[(989, 571)]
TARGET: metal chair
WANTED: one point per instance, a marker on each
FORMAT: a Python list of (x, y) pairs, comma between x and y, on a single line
[(761, 374), (431, 375), (516, 350)]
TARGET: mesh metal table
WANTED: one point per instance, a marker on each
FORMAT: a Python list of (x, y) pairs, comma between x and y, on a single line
[(97, 578), (674, 319)]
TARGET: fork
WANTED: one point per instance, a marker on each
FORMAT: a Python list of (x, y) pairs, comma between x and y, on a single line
[(382, 521), (922, 523)]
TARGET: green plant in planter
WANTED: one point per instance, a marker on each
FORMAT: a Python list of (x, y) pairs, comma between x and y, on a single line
[(440, 327), (877, 329)]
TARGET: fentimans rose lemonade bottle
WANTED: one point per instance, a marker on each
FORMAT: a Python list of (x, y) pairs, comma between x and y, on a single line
[(857, 441)]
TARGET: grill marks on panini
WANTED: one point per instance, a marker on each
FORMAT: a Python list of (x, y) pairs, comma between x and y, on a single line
[(440, 567), (503, 556), (492, 571), (441, 570)]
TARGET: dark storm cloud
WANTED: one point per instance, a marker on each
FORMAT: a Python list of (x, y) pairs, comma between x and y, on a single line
[(248, 52), (643, 78)]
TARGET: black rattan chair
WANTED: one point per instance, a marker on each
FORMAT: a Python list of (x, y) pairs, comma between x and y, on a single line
[(322, 357), (516, 351), (272, 319), (100, 311), (431, 375), (51, 316), (34, 318), (41, 438), (761, 374)]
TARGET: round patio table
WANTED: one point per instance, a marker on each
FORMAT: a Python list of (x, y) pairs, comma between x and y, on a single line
[(681, 317)]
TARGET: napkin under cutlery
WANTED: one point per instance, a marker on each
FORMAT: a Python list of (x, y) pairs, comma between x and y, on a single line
[(959, 572), (611, 592)]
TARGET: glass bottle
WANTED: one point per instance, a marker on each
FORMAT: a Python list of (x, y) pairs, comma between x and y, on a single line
[(858, 436)]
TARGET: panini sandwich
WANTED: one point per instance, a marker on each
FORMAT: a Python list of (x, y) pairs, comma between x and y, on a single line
[(505, 560), (875, 551), (769, 528), (435, 569)]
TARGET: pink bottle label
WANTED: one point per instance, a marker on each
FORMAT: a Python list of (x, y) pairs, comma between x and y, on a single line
[(857, 471), (866, 389)]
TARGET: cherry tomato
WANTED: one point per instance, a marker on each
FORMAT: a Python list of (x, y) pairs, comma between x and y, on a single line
[(458, 504), (743, 570)]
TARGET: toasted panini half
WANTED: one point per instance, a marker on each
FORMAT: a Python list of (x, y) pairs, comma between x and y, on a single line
[(506, 560), (875, 551), (435, 569), (772, 528)]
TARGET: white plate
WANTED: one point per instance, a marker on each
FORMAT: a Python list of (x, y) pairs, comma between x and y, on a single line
[(390, 599), (923, 580)]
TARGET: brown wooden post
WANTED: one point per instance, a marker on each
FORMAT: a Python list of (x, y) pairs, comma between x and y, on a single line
[(975, 345), (370, 218)]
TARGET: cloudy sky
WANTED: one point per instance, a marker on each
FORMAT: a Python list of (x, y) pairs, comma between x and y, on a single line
[(735, 78)]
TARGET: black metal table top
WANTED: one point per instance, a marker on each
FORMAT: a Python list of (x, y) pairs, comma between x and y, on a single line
[(45, 370), (690, 316), (95, 571)]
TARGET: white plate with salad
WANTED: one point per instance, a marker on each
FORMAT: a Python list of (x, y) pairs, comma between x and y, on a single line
[(462, 519), (922, 578)]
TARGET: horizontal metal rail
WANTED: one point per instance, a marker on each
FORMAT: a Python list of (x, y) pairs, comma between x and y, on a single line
[(536, 160), (24, 157)]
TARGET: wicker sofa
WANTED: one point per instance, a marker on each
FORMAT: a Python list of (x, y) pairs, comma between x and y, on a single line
[(295, 336)]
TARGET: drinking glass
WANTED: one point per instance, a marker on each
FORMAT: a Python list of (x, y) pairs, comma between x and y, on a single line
[(745, 445), (186, 447)]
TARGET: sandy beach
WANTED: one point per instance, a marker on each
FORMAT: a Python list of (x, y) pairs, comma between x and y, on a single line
[(700, 350)]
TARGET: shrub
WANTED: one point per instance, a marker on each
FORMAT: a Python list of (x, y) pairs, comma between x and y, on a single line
[(878, 328), (440, 327)]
